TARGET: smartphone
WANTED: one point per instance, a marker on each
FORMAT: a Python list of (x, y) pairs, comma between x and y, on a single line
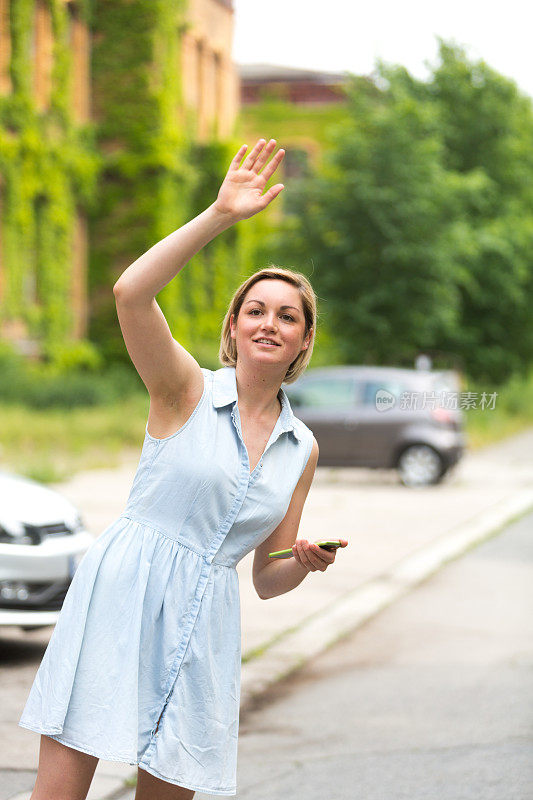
[(325, 545)]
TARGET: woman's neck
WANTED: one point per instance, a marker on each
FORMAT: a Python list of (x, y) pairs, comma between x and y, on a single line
[(257, 393)]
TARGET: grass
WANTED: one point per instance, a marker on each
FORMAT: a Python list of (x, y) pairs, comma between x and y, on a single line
[(512, 413), (51, 445)]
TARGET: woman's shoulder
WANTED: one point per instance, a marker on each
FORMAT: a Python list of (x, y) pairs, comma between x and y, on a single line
[(210, 377), (304, 433)]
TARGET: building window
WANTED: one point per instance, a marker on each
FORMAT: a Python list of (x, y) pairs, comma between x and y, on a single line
[(296, 163), (296, 167), (200, 69), (219, 89), (5, 47), (42, 45), (33, 278), (78, 39)]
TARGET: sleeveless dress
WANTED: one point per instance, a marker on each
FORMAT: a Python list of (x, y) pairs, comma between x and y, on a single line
[(144, 662)]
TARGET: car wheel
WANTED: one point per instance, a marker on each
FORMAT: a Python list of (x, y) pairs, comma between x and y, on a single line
[(420, 465)]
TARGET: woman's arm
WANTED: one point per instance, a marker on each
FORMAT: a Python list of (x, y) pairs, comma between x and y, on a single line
[(170, 373), (145, 278), (272, 576)]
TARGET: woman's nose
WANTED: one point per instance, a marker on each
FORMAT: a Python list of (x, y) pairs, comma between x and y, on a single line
[(270, 324), (270, 319)]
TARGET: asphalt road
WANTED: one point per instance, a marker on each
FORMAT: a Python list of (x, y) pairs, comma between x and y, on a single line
[(362, 503), (433, 698)]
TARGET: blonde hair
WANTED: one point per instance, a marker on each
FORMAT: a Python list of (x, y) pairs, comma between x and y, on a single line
[(228, 349)]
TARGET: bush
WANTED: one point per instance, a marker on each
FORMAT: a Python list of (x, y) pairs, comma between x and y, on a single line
[(82, 356), (73, 379), (517, 395)]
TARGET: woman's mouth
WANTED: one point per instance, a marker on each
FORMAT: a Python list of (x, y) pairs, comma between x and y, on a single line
[(266, 343)]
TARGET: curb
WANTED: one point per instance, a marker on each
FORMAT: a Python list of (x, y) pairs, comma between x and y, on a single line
[(293, 649)]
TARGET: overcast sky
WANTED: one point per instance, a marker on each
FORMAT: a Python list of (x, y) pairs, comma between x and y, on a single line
[(347, 35)]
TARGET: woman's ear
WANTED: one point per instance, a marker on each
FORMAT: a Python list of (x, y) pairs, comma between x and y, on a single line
[(232, 326), (307, 339)]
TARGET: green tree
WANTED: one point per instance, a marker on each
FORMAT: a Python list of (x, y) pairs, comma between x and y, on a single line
[(375, 226), (417, 231), (487, 126)]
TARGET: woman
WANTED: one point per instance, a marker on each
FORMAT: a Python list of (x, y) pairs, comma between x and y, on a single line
[(143, 665)]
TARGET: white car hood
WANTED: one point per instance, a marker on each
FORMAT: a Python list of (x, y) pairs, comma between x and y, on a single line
[(23, 500)]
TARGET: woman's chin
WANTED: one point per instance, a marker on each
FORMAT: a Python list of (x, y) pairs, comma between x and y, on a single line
[(265, 359)]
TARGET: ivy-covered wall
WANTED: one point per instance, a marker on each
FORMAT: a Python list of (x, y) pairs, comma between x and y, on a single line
[(48, 169), (136, 169), (156, 177)]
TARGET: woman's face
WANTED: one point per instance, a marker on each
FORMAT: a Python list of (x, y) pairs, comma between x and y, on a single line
[(271, 309)]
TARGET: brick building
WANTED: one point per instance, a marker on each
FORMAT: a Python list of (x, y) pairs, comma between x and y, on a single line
[(210, 79), (294, 105), (209, 88), (293, 84)]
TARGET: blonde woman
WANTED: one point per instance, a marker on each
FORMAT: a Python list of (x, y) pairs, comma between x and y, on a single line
[(143, 665)]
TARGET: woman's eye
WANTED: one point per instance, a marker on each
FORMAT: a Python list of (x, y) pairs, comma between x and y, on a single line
[(288, 316)]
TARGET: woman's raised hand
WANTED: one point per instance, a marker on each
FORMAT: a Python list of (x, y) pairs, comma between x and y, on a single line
[(241, 194)]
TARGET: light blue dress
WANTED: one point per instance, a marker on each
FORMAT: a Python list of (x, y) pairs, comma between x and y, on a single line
[(150, 629)]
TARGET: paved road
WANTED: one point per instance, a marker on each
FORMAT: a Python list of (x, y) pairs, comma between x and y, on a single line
[(431, 699), (383, 522)]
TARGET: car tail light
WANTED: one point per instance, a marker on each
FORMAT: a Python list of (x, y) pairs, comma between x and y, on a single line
[(443, 415)]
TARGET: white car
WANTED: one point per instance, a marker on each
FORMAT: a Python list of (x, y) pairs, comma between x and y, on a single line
[(42, 541)]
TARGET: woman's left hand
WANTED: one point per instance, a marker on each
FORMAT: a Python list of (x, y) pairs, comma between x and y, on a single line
[(313, 557)]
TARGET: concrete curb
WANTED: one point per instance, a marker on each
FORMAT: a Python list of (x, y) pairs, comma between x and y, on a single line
[(320, 631)]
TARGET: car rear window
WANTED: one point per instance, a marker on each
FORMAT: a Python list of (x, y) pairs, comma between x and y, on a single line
[(322, 393), (369, 390)]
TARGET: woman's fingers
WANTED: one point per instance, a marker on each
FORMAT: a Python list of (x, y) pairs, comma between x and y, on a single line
[(257, 158), (267, 197), (249, 161), (241, 189), (308, 556), (264, 155), (237, 159), (272, 166), (302, 556)]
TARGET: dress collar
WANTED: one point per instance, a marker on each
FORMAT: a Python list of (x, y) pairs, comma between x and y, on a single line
[(225, 392)]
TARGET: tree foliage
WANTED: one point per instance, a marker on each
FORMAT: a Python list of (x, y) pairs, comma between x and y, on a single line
[(418, 226)]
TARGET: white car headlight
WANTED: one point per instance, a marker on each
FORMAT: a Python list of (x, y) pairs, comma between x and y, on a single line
[(10, 538)]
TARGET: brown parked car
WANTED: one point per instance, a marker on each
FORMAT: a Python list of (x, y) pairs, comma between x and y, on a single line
[(383, 417)]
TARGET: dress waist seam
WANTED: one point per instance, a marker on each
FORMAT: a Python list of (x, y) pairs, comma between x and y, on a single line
[(154, 528)]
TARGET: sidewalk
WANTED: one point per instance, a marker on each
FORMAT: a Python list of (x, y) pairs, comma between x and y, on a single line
[(397, 538)]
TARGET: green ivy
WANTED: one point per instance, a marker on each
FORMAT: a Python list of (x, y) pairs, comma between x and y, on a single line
[(155, 176), (135, 170), (49, 166)]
